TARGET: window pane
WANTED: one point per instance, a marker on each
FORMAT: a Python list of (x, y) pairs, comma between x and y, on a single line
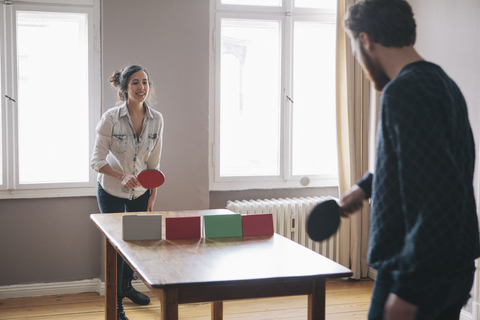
[(52, 104), (250, 98), (269, 3), (316, 4), (314, 138)]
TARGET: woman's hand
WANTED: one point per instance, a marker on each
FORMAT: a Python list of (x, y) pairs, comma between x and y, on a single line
[(127, 180), (130, 181)]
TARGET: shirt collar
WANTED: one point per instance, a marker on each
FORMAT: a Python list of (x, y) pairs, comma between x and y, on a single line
[(148, 112), (124, 111)]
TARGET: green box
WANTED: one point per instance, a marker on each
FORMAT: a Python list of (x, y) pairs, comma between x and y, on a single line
[(223, 225)]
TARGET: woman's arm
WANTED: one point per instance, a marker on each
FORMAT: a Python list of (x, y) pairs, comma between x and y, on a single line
[(153, 161), (127, 180), (151, 200)]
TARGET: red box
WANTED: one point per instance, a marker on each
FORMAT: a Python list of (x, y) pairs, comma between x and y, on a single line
[(257, 224), (182, 228)]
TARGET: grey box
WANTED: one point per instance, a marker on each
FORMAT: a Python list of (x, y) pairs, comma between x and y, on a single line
[(142, 227)]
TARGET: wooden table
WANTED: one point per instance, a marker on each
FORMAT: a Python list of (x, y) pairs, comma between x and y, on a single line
[(215, 270)]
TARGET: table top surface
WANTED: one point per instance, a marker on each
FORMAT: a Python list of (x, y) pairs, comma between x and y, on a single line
[(186, 262)]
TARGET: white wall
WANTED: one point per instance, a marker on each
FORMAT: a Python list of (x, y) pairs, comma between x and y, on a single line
[(169, 38)]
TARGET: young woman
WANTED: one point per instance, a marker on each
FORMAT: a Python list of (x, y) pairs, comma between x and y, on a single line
[(128, 141)]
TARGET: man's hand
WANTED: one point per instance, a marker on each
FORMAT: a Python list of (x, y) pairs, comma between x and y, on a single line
[(398, 309), (352, 200)]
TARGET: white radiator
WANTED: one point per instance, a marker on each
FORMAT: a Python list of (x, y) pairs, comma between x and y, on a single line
[(289, 216)]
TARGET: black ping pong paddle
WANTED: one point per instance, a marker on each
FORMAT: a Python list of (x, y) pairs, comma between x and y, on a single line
[(151, 178), (323, 221)]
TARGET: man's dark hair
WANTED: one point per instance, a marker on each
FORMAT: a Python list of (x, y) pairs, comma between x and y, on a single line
[(387, 22)]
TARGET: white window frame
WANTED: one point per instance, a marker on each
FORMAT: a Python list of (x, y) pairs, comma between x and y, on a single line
[(10, 188), (287, 15)]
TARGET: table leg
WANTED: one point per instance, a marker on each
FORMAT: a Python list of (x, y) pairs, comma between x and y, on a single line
[(169, 304), (110, 281), (217, 310), (316, 301)]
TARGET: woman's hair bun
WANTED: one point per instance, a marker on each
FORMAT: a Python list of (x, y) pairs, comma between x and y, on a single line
[(115, 78)]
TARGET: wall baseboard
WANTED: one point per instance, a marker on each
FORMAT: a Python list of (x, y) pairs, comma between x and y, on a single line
[(372, 273), (59, 288)]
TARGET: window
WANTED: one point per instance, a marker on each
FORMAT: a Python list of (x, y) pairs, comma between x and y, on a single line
[(273, 94), (50, 97)]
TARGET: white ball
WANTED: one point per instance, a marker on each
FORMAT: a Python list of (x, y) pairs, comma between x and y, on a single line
[(304, 181)]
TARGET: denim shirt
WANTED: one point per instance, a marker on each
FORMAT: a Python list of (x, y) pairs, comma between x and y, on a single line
[(117, 145)]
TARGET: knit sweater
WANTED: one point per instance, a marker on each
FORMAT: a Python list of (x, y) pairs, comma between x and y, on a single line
[(423, 223)]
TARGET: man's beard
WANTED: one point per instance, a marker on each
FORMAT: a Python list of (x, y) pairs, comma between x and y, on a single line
[(374, 71)]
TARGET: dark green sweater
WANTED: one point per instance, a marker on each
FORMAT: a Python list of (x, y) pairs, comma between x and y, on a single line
[(423, 223)]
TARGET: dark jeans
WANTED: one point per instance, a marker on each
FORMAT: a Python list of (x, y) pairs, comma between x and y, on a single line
[(110, 204), (449, 297)]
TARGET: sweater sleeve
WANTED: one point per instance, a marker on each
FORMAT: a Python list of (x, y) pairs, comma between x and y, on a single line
[(365, 183)]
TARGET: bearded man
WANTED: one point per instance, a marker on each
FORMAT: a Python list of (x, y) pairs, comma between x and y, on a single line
[(424, 233)]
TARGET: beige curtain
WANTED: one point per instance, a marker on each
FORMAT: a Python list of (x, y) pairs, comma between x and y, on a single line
[(353, 99)]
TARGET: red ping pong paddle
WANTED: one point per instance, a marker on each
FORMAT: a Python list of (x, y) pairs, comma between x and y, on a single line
[(323, 221), (151, 178)]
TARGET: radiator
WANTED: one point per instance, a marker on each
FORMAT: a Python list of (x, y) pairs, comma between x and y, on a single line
[(289, 216)]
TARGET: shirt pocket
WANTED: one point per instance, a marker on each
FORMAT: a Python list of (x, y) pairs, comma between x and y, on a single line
[(152, 141), (119, 143)]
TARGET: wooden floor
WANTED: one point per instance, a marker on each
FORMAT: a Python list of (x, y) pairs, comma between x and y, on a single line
[(346, 299)]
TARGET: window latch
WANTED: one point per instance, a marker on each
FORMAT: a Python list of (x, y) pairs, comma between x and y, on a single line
[(10, 98), (289, 98)]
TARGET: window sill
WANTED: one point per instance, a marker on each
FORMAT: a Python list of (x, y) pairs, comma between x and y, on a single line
[(247, 185), (48, 193)]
